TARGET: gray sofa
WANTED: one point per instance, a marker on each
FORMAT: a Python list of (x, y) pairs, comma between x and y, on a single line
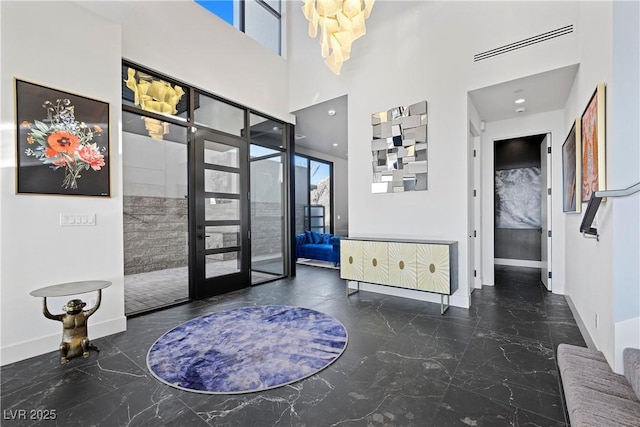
[(595, 395)]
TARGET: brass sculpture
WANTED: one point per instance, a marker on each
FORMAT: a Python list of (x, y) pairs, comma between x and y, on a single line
[(75, 341)]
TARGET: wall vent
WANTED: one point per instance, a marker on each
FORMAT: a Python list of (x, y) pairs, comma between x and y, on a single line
[(563, 31)]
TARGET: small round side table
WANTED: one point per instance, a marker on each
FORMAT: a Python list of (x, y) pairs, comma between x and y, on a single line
[(75, 341)]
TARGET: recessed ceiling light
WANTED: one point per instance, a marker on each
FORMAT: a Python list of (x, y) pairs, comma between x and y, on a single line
[(520, 110), (276, 128), (331, 112), (335, 144), (520, 100)]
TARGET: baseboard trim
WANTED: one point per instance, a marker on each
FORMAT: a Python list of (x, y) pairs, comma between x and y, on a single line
[(517, 262), (45, 344), (581, 325)]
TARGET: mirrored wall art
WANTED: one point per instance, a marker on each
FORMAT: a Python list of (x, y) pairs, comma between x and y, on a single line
[(399, 149)]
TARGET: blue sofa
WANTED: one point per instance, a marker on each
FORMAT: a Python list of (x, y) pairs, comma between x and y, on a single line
[(320, 246)]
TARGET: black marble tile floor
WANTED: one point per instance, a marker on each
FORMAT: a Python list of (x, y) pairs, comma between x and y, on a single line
[(405, 365)]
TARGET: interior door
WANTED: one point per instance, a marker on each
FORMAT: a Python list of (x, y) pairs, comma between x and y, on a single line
[(471, 198), (222, 252), (545, 211)]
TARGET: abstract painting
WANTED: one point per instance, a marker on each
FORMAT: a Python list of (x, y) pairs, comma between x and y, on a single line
[(593, 144), (571, 188), (518, 198)]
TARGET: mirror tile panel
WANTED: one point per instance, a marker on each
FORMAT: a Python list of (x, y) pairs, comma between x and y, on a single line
[(399, 149)]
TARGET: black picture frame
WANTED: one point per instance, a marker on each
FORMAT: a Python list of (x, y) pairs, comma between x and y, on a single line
[(62, 142)]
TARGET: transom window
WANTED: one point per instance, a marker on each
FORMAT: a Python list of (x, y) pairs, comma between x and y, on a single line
[(259, 19)]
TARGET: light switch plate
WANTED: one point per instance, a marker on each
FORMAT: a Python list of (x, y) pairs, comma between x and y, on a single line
[(76, 219)]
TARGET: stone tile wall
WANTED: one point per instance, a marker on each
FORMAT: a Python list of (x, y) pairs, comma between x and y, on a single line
[(155, 233), (266, 229)]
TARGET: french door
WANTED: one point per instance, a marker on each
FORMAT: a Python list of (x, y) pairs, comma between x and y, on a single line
[(221, 248)]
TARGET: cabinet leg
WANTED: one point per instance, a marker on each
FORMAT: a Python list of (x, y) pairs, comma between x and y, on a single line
[(444, 307), (352, 292)]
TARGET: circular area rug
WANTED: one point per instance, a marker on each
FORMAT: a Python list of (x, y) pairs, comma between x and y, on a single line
[(247, 349)]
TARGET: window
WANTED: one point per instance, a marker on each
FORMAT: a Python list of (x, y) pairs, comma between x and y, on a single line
[(259, 19), (314, 193)]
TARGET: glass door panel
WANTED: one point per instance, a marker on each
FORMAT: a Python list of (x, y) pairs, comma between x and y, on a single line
[(221, 181), (267, 214), (155, 215), (219, 208), (221, 226), (221, 154)]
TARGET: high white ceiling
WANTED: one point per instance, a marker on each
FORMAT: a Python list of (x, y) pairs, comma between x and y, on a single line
[(542, 92), (317, 130)]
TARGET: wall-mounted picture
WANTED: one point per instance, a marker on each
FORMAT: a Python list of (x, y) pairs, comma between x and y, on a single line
[(399, 149), (62, 142), (517, 202), (571, 174), (593, 144)]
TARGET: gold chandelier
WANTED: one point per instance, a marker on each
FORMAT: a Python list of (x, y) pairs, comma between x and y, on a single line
[(341, 22)]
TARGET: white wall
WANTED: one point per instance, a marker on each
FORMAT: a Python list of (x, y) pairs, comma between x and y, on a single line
[(624, 146), (177, 38), (340, 189), (588, 263), (536, 124), (424, 50), (36, 251)]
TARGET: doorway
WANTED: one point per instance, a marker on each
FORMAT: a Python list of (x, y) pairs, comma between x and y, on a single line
[(522, 203), (187, 202), (221, 215)]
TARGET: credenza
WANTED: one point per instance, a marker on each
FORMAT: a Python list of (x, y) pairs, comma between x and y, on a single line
[(422, 265)]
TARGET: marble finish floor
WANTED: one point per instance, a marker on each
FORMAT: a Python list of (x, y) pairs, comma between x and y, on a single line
[(405, 365), (154, 289)]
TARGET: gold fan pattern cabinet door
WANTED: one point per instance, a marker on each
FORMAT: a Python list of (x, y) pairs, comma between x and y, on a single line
[(433, 268), (375, 259), (351, 260), (402, 265)]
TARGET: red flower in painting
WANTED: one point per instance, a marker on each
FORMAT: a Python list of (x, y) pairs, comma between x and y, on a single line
[(90, 154), (63, 142), (54, 155)]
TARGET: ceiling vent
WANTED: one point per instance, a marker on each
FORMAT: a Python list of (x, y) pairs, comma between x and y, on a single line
[(563, 31)]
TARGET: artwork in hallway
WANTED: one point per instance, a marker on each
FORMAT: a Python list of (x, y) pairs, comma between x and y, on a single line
[(571, 188), (518, 198), (593, 144), (399, 149), (62, 142)]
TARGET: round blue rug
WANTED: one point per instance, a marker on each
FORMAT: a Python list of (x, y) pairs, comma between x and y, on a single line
[(247, 349)]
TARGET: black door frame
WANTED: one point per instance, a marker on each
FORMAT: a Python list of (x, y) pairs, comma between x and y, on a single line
[(196, 178), (201, 286)]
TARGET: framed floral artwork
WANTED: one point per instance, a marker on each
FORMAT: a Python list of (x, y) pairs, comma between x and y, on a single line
[(593, 144), (571, 173), (62, 142)]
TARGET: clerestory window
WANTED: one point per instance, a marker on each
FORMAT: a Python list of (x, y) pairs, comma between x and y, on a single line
[(259, 19)]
